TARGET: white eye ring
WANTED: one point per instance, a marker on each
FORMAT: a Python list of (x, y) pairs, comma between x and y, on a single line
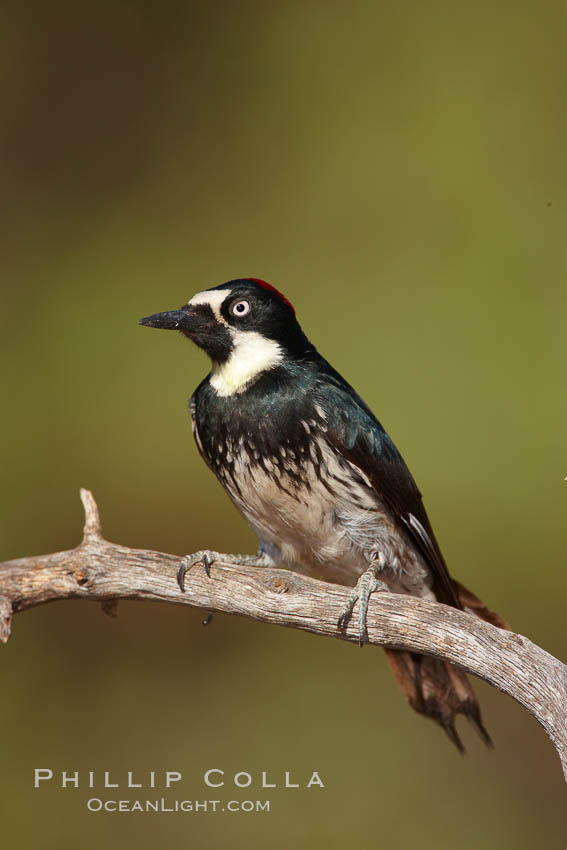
[(240, 309)]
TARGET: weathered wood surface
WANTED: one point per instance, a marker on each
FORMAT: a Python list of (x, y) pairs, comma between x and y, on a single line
[(106, 572)]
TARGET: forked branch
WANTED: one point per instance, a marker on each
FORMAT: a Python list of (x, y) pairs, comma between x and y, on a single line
[(107, 572)]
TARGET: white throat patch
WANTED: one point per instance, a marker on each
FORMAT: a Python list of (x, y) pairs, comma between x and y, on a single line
[(252, 354)]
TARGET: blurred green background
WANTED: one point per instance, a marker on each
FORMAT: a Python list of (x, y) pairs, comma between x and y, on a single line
[(395, 169)]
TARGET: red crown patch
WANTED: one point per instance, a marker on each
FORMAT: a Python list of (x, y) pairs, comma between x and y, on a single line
[(269, 286)]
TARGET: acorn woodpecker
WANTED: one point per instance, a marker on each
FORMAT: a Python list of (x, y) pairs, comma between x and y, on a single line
[(315, 474)]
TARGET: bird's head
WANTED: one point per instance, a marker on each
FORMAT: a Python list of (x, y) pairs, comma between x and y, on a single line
[(246, 326)]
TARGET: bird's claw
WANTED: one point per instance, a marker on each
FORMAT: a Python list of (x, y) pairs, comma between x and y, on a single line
[(366, 585), (204, 557)]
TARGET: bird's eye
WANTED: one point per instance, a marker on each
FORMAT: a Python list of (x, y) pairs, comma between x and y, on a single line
[(241, 308)]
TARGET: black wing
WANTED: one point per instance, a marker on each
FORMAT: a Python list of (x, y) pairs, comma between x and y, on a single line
[(355, 432)]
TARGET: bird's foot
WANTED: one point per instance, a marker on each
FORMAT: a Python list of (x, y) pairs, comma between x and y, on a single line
[(204, 556), (366, 585), (207, 557)]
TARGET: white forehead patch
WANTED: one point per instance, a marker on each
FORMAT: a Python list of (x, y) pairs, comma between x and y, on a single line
[(252, 354), (214, 298)]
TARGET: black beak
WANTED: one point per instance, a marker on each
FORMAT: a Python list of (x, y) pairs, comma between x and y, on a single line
[(200, 325), (172, 320)]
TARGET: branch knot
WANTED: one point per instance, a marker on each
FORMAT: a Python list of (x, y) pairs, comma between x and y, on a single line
[(92, 530)]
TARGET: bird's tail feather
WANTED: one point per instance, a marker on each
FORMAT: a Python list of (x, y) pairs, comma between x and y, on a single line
[(473, 605), (438, 689)]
